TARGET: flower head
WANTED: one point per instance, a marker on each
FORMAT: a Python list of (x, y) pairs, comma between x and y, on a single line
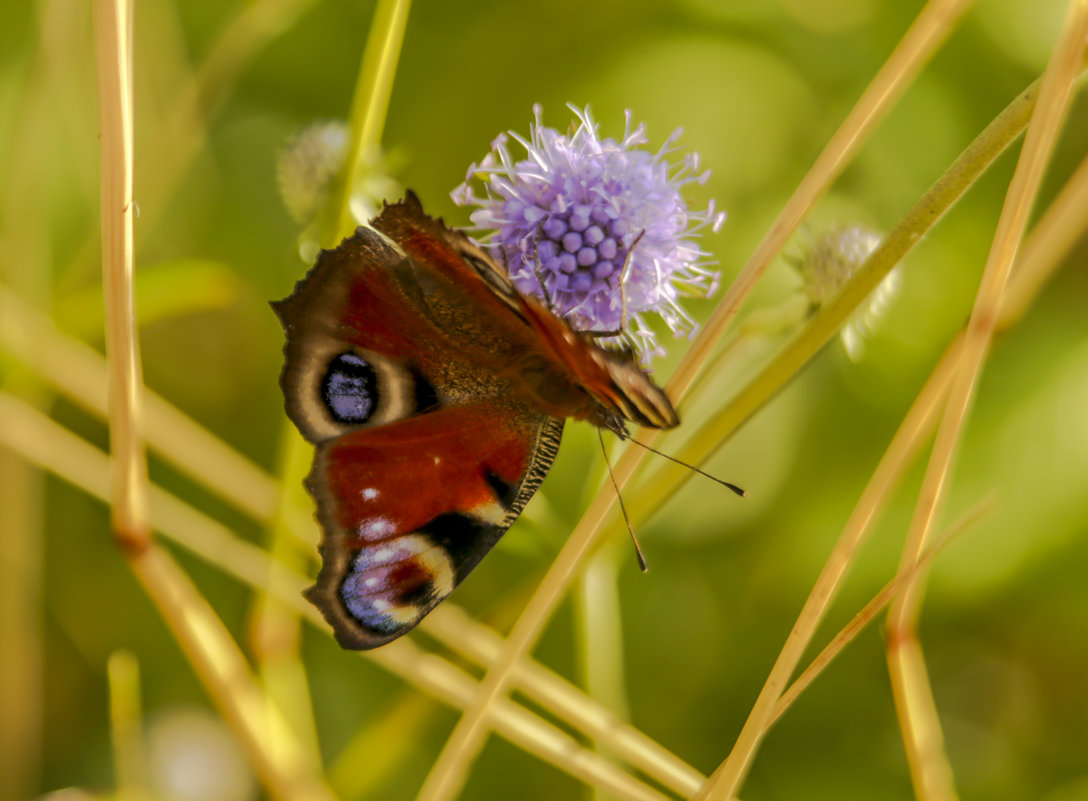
[(596, 228), (829, 262), (307, 167)]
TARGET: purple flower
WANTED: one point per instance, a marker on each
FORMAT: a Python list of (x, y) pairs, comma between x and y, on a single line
[(596, 228)]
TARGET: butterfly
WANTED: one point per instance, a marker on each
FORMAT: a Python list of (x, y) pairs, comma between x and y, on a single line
[(435, 394)]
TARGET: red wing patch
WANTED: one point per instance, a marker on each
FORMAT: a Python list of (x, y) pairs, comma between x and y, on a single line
[(410, 507)]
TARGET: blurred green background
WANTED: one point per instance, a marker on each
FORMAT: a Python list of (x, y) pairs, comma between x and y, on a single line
[(758, 87)]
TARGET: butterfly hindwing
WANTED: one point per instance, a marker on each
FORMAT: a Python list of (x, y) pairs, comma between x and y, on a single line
[(409, 508)]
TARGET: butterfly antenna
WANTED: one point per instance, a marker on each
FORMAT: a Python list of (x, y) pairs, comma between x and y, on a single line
[(733, 487), (638, 548)]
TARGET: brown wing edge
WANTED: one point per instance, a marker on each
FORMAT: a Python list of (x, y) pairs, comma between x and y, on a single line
[(401, 219), (310, 319), (336, 557)]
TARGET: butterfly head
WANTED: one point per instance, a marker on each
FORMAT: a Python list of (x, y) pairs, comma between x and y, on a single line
[(613, 422), (624, 392)]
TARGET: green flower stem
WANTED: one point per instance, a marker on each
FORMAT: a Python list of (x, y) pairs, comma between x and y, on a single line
[(368, 107), (275, 627), (130, 766), (823, 325)]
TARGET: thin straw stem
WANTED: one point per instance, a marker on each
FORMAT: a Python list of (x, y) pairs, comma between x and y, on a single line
[(221, 666), (930, 770), (1038, 144), (114, 49), (275, 628), (243, 37), (449, 771), (701, 442), (30, 336), (52, 447), (202, 636), (1068, 213), (126, 729), (79, 372), (455, 629), (869, 612), (898, 456), (933, 25)]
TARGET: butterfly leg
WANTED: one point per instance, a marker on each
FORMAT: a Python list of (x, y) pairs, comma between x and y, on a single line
[(540, 278), (622, 330), (409, 507)]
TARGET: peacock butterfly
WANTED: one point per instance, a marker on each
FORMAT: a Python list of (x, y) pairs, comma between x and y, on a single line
[(435, 395)]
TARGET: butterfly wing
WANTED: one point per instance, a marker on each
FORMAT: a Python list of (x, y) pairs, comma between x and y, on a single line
[(564, 370), (409, 508), (424, 454)]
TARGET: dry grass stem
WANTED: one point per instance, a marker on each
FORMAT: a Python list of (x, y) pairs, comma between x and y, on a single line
[(937, 20), (1041, 135), (275, 628), (1039, 262), (455, 629), (264, 734), (697, 444), (515, 723), (899, 454), (869, 612), (126, 728), (282, 676), (930, 770), (1043, 251), (448, 774), (450, 770), (282, 673), (1050, 240), (599, 631), (205, 91), (54, 448), (79, 372), (114, 48), (204, 640)]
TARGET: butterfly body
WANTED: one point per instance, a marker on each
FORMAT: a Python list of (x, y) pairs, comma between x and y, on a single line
[(435, 395)]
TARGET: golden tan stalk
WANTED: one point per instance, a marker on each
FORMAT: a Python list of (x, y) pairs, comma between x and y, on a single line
[(930, 770), (448, 774)]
